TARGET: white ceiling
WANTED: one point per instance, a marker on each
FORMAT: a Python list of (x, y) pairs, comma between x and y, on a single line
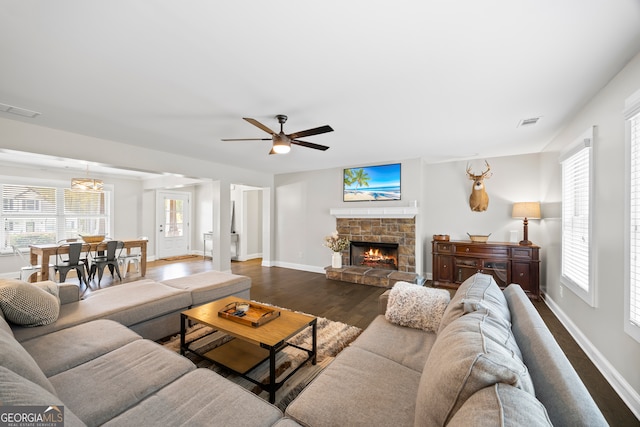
[(441, 80)]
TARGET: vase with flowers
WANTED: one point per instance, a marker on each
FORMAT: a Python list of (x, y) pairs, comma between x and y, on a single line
[(337, 244)]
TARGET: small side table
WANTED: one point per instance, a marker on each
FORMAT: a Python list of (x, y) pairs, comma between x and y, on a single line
[(205, 237)]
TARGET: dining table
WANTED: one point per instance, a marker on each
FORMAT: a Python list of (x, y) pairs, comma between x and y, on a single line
[(41, 254)]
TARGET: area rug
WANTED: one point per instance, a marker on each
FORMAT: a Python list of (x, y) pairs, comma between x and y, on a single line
[(332, 338)]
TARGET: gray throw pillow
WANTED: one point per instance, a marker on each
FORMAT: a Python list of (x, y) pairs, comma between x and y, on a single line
[(416, 306), (28, 304)]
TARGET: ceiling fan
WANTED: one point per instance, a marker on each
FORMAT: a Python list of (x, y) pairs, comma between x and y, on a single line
[(281, 141)]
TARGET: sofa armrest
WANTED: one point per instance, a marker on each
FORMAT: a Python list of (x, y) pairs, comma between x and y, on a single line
[(382, 302), (68, 293)]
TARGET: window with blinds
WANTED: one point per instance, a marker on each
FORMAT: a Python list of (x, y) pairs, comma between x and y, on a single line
[(29, 215), (632, 218), (576, 218), (634, 223), (38, 214)]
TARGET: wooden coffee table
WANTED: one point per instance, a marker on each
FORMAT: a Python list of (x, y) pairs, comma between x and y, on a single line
[(253, 345)]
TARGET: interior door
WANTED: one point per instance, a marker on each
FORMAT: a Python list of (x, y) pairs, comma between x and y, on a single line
[(173, 217)]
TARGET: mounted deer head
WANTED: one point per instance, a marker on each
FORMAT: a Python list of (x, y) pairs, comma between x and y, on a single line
[(479, 199)]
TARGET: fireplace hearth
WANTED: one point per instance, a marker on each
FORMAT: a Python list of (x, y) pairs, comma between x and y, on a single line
[(374, 255)]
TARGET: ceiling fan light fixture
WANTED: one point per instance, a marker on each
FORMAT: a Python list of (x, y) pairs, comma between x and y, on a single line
[(280, 146)]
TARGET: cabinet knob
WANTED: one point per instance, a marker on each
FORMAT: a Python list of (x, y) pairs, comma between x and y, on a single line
[(466, 249), (521, 274)]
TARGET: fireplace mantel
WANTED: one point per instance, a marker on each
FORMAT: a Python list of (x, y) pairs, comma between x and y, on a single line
[(389, 212)]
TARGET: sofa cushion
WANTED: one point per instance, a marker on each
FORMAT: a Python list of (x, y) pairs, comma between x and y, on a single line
[(557, 384), (129, 303), (200, 398), (406, 346), (477, 292), (4, 326), (358, 388), (15, 358), (210, 286), (65, 349), (463, 360), (104, 387), (416, 306), (29, 304), (68, 292), (18, 391), (501, 405)]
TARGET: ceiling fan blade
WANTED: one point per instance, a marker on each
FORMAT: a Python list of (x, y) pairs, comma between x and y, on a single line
[(246, 139), (260, 125), (309, 132), (310, 145)]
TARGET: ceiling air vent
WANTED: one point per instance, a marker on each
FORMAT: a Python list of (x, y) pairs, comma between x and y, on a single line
[(18, 111), (528, 122)]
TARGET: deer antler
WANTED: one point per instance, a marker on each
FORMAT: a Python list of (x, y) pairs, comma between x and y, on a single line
[(470, 175), (483, 175)]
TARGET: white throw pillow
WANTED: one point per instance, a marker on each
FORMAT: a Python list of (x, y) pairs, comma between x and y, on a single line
[(416, 306), (28, 304)]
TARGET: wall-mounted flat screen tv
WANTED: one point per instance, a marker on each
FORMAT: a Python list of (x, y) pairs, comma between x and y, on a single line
[(372, 183)]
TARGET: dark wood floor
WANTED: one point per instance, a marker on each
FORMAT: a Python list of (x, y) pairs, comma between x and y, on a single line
[(358, 305)]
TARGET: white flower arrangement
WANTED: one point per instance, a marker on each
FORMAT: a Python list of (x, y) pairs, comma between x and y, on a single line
[(335, 242)]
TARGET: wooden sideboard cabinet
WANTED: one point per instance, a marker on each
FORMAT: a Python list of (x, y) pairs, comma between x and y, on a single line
[(456, 261)]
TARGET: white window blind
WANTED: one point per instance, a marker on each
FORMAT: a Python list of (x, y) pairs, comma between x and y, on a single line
[(576, 218), (85, 212), (29, 215), (37, 214), (634, 220)]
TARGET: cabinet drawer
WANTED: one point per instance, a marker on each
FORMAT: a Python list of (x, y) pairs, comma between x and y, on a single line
[(522, 253), (444, 247), (482, 250)]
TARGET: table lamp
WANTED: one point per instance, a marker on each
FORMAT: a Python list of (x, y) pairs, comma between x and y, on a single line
[(526, 210)]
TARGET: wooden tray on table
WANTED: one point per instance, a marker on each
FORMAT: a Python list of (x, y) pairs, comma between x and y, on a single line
[(257, 314)]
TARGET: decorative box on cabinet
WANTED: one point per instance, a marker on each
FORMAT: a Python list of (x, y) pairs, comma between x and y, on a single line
[(456, 261)]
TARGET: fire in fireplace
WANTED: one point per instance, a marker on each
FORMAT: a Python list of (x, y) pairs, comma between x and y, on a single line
[(374, 255)]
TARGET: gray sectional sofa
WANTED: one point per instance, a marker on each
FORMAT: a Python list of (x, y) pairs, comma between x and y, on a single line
[(152, 309), (491, 362), (104, 373)]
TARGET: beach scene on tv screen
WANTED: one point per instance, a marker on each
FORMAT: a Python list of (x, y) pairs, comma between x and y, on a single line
[(372, 183)]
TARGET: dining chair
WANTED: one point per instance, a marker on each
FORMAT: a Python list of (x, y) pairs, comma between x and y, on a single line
[(73, 262), (125, 259), (28, 269), (107, 258)]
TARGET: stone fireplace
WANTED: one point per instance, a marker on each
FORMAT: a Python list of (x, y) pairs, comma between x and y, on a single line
[(389, 227)]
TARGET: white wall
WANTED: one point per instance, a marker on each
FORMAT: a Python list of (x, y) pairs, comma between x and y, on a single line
[(445, 207), (599, 329), (303, 201), (248, 221), (442, 190), (17, 135)]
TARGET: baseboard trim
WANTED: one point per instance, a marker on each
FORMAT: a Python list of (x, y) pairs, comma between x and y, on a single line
[(302, 267), (628, 395)]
